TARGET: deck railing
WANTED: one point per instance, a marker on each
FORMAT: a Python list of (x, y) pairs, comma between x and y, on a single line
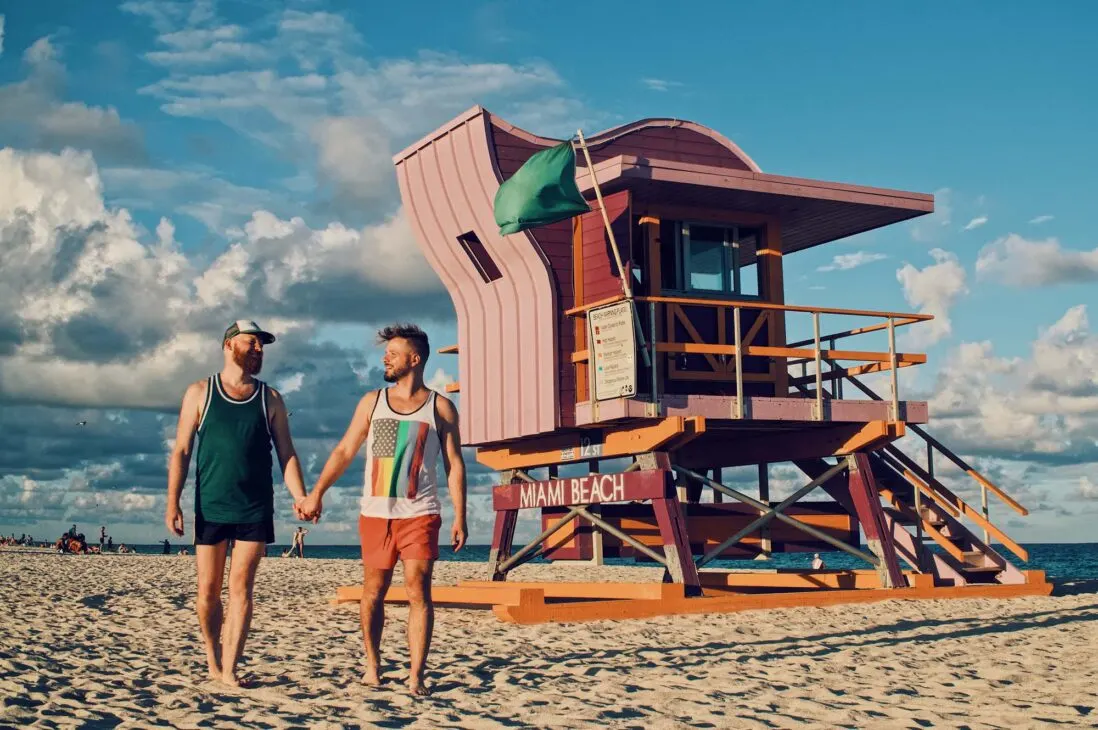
[(671, 308)]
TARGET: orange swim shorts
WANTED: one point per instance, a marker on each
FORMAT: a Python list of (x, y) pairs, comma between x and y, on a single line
[(409, 538)]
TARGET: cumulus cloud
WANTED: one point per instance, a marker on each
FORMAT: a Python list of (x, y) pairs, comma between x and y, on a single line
[(134, 316), (847, 261), (33, 113), (1042, 408), (1021, 262), (933, 290)]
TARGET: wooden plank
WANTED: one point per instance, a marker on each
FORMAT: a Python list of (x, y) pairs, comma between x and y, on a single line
[(867, 503), (911, 358), (448, 350), (651, 591), (616, 441), (802, 580), (752, 304), (533, 613), (497, 594), (453, 387)]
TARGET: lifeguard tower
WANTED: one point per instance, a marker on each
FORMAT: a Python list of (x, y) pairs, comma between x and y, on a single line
[(644, 344)]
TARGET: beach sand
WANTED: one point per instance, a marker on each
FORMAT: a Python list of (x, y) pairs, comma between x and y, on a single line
[(112, 641)]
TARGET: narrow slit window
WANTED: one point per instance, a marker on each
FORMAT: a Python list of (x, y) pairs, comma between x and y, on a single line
[(478, 254)]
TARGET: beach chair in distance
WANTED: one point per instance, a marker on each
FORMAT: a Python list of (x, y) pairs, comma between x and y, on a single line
[(615, 365)]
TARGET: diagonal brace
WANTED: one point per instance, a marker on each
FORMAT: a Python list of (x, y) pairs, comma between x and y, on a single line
[(771, 514), (517, 558), (607, 527), (818, 534)]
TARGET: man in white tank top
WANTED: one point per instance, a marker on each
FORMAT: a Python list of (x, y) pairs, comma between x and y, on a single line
[(405, 427)]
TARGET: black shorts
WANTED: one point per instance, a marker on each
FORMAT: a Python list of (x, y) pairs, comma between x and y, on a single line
[(212, 533)]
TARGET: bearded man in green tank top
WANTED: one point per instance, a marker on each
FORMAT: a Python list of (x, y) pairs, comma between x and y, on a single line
[(236, 418)]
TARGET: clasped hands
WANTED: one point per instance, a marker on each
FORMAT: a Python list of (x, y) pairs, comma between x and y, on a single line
[(308, 508)]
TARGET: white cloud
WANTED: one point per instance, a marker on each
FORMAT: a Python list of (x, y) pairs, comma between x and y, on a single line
[(933, 290), (660, 84), (82, 299), (847, 261), (354, 155), (976, 222), (1041, 219), (1041, 408), (1021, 262), (930, 228), (1087, 489), (33, 114)]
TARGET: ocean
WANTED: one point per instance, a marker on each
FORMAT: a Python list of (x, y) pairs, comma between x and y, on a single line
[(1060, 561)]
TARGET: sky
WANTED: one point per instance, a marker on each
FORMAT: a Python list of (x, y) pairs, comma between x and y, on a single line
[(169, 167)]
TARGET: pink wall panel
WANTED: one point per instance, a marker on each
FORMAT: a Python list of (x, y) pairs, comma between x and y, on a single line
[(506, 364)]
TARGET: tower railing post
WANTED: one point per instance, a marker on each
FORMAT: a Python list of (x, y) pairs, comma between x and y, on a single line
[(892, 371), (739, 362), (819, 371)]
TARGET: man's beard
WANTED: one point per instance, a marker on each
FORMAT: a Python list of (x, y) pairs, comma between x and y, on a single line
[(250, 361), (391, 376)]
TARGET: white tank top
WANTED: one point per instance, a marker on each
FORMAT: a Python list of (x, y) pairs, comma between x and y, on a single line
[(401, 461)]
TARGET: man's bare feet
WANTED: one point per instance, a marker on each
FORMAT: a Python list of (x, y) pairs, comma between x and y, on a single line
[(232, 680), (371, 677), (417, 686), (213, 663)]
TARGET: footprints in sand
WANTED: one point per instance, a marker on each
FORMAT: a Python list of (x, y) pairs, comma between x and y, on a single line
[(98, 644)]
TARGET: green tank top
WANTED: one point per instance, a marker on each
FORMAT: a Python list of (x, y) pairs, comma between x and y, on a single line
[(233, 481)]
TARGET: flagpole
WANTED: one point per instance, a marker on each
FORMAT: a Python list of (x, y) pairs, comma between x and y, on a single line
[(614, 246)]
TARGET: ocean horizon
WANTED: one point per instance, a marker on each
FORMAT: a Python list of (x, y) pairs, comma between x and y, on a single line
[(1060, 561)]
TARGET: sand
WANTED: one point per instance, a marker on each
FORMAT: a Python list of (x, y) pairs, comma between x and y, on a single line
[(111, 641)]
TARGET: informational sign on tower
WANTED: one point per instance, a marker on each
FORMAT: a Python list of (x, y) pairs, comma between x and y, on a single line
[(612, 344)]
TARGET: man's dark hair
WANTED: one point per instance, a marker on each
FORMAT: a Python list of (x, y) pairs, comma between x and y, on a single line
[(416, 336)]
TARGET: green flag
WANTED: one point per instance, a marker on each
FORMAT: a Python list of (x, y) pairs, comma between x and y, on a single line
[(541, 192)]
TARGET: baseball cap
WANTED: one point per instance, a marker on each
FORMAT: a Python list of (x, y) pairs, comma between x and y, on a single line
[(248, 327)]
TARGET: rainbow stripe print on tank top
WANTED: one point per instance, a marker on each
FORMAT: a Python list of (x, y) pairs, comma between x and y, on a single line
[(397, 457)]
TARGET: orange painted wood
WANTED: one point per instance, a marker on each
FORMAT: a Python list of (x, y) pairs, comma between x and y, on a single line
[(753, 304), (533, 613), (453, 387), (617, 441), (490, 594), (448, 350), (651, 591), (836, 579), (765, 351)]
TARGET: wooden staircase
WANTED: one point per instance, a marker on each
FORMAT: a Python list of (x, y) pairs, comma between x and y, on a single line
[(928, 520)]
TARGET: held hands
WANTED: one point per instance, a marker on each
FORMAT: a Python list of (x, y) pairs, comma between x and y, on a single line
[(173, 520), (308, 508)]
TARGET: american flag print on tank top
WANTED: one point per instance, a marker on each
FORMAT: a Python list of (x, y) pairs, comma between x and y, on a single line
[(401, 461)]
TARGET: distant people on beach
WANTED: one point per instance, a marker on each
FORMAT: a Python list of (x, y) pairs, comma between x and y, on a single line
[(236, 419), (817, 562), (167, 548), (297, 544)]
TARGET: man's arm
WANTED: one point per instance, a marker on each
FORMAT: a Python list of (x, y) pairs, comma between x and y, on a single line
[(343, 454), (454, 464), (284, 446), (179, 463)]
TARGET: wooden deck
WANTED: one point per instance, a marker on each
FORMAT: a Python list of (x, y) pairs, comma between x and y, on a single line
[(535, 603)]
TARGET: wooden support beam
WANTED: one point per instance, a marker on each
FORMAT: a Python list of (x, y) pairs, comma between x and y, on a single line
[(732, 448), (867, 502), (448, 350), (581, 445)]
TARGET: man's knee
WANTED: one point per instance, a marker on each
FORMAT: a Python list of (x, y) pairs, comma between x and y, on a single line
[(242, 586), (417, 582), (375, 583)]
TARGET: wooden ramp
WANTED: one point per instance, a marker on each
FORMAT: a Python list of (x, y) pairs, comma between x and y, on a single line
[(535, 603)]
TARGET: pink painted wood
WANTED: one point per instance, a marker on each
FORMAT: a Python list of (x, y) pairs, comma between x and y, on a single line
[(867, 503), (590, 489), (759, 408), (507, 339)]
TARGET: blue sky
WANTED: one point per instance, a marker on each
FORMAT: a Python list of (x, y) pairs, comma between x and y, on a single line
[(200, 114)]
